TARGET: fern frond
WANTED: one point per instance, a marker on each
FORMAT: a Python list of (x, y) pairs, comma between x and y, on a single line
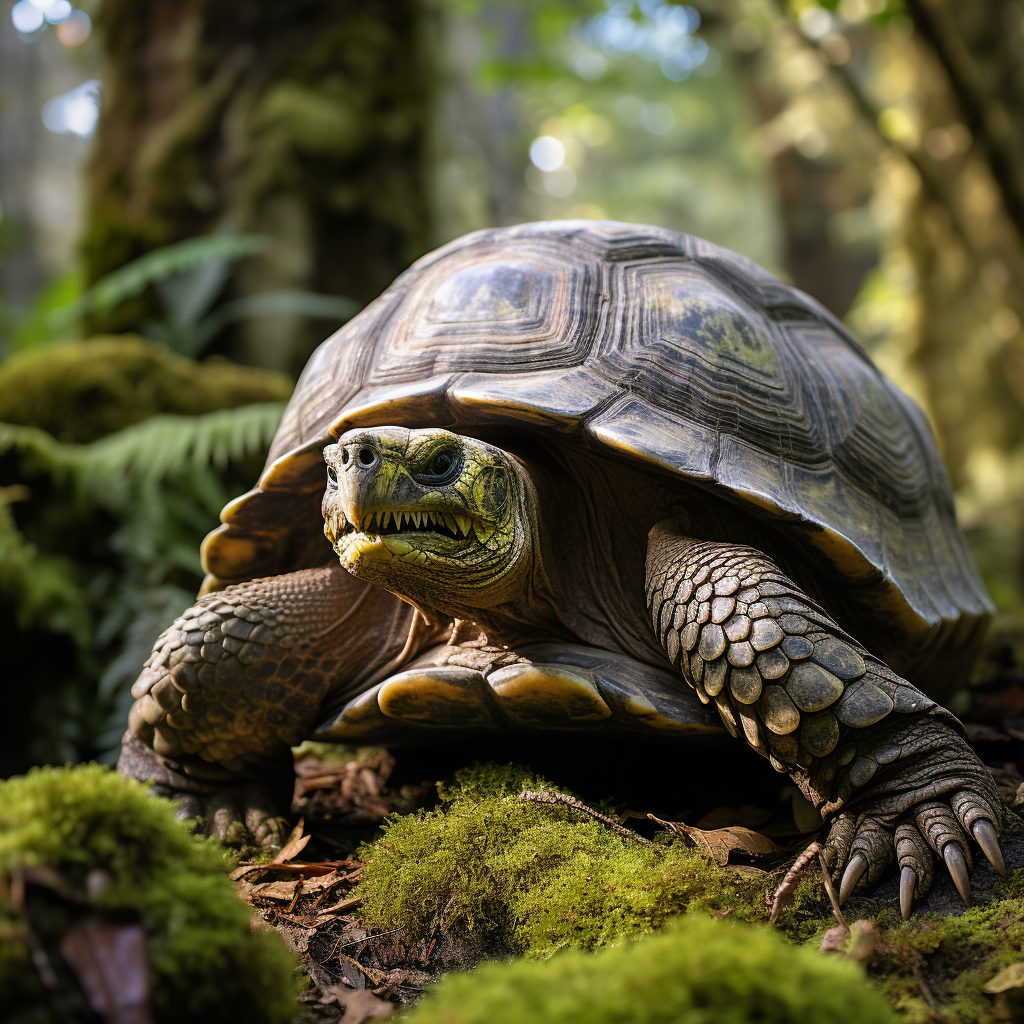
[(168, 445), (157, 266)]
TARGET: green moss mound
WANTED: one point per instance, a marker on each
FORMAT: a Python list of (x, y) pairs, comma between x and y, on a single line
[(82, 390), (503, 874), (697, 971), (205, 963)]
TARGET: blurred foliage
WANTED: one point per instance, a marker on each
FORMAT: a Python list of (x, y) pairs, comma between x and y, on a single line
[(99, 549), (655, 124), (188, 278)]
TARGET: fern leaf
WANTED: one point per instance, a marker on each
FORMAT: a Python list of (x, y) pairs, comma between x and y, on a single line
[(168, 445)]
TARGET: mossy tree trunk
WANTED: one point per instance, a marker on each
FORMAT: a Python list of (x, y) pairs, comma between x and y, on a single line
[(305, 120)]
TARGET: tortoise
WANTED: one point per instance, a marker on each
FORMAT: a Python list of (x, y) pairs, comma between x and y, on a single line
[(571, 467)]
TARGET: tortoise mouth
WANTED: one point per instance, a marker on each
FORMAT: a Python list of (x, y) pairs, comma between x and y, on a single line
[(419, 522)]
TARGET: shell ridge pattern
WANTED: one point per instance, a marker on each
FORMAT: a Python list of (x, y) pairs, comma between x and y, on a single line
[(690, 359)]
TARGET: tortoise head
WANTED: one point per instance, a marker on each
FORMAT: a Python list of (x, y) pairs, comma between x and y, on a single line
[(442, 519)]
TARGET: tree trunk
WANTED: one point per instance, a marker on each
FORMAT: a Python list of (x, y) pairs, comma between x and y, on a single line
[(305, 120)]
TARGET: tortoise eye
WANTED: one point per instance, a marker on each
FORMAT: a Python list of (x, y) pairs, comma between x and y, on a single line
[(443, 468), (332, 476)]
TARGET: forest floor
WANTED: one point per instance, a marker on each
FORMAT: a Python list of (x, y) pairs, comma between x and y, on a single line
[(741, 816)]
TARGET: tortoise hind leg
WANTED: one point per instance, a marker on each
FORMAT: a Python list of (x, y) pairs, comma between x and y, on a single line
[(240, 677), (890, 768)]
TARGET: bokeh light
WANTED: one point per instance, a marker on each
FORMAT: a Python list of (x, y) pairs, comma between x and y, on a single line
[(74, 112)]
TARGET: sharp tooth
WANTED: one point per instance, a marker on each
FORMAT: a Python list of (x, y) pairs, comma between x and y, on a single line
[(464, 523), (483, 533), (430, 518)]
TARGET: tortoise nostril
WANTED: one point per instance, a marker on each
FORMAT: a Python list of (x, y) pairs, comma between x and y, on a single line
[(367, 456)]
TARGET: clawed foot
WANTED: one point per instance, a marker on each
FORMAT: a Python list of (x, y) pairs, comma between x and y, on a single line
[(861, 846), (237, 815)]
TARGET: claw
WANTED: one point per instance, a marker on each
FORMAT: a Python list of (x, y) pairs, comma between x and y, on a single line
[(857, 866), (986, 838), (956, 862), (908, 881)]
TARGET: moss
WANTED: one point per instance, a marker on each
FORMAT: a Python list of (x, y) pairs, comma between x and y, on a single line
[(954, 956), (504, 874), (205, 964), (698, 971), (81, 390)]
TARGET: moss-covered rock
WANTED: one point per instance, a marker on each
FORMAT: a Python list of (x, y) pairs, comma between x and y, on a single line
[(503, 874), (697, 971), (81, 390), (117, 850)]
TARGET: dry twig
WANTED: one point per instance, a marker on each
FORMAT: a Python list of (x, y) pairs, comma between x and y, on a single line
[(578, 805)]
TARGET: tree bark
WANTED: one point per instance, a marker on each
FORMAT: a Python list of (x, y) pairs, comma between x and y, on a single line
[(305, 120)]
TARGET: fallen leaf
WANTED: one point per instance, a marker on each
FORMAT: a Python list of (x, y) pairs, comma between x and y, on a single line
[(720, 842), (1008, 978), (295, 845), (310, 868), (865, 941), (109, 960), (834, 940), (287, 890), (359, 1005), (372, 973), (347, 904)]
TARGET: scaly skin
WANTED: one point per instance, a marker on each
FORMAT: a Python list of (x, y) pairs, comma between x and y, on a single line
[(241, 677), (890, 768)]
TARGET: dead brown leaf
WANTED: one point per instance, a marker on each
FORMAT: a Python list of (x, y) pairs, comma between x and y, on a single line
[(109, 960), (359, 1005), (720, 842), (296, 844), (866, 941), (1008, 978), (289, 889), (835, 940)]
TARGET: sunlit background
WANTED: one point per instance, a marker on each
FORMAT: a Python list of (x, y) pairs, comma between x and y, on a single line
[(231, 181)]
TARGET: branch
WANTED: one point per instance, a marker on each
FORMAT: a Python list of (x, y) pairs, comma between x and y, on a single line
[(972, 106), (929, 182)]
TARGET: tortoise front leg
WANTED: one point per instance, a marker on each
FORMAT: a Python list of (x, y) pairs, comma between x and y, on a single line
[(890, 767), (240, 678)]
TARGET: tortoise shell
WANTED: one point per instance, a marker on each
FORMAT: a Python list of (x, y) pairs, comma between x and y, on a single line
[(673, 354)]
